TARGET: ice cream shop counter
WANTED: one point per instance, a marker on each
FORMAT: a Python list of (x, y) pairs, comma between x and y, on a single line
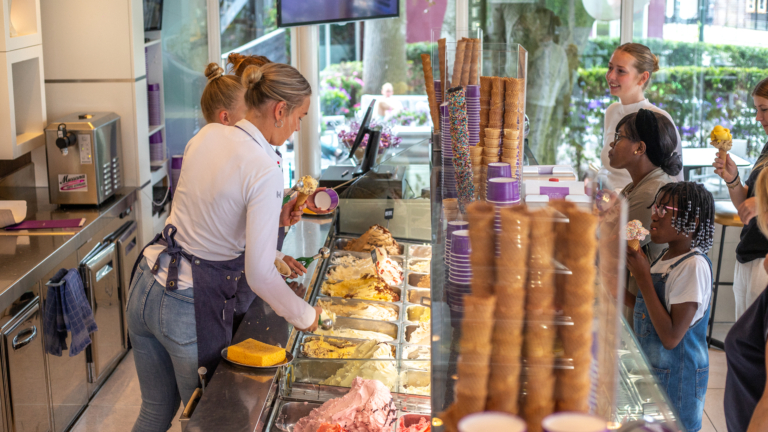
[(374, 363)]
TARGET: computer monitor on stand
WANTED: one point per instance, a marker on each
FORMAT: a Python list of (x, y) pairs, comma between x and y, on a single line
[(372, 145)]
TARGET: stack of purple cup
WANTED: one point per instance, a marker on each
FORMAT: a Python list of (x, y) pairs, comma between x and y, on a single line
[(501, 192), (453, 226), (156, 150), (449, 172), (460, 271), (153, 98), (473, 114), (439, 92)]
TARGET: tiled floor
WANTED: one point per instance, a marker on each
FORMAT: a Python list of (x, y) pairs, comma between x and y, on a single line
[(116, 406)]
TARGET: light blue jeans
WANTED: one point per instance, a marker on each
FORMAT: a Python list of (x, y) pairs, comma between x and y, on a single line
[(161, 325)]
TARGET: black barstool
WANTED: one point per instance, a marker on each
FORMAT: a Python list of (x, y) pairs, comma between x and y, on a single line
[(727, 216)]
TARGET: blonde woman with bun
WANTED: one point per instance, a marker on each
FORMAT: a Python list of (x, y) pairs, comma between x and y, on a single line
[(223, 99), (221, 227), (749, 279), (237, 63), (629, 74), (746, 346)]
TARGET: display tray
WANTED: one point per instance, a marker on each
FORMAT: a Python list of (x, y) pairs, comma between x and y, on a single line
[(288, 412), (407, 373)]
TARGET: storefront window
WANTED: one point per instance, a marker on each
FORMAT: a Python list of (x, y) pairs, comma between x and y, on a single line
[(185, 56), (566, 90)]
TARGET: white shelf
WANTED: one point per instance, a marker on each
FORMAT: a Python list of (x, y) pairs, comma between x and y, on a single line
[(159, 171), (153, 129), (22, 102), (24, 18), (152, 42)]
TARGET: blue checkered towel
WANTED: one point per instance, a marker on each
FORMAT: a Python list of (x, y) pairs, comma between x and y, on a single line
[(67, 310)]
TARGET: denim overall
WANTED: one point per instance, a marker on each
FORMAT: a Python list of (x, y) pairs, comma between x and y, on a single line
[(217, 285), (683, 371)]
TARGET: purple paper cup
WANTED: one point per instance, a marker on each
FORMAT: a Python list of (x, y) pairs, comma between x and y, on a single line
[(572, 422), (459, 260), (473, 91), (459, 281), (503, 190), (499, 169), (492, 421), (326, 199), (454, 226)]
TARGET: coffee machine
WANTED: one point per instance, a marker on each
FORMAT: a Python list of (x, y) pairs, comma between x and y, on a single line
[(83, 153)]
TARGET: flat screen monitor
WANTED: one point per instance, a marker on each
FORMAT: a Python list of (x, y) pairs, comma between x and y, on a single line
[(363, 131), (153, 15), (303, 12)]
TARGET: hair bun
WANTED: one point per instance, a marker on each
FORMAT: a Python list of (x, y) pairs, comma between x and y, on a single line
[(213, 71), (252, 75), (655, 63), (673, 164)]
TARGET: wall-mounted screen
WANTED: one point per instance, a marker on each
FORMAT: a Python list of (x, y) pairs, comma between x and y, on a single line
[(302, 12), (153, 15)]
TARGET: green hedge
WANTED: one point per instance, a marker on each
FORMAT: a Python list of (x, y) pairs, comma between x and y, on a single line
[(697, 99)]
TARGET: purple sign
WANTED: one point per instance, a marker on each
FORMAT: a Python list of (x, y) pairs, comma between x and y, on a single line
[(554, 192)]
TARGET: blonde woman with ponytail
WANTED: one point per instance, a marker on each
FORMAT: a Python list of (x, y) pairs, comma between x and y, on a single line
[(629, 73), (746, 346), (749, 279), (221, 227), (223, 99)]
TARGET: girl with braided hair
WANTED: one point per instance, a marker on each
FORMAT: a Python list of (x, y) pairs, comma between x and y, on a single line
[(672, 306)]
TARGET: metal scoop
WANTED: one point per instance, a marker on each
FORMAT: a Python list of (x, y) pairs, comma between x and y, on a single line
[(287, 197), (306, 261)]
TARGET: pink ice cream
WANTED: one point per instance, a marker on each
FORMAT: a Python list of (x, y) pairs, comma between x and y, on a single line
[(368, 407), (635, 230), (386, 269), (422, 426)]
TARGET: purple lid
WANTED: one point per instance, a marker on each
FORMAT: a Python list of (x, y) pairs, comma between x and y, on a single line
[(153, 87), (503, 190), (455, 226), (176, 161), (473, 91)]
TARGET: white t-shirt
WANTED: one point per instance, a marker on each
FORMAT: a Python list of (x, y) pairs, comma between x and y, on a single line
[(613, 115), (690, 281), (227, 203)]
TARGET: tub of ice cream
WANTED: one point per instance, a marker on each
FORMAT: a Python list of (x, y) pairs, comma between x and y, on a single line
[(341, 373), (418, 334), (420, 251), (369, 240), (365, 309), (348, 259), (362, 329), (416, 296), (418, 280), (416, 314), (416, 356), (330, 347), (419, 265), (291, 412), (341, 273), (415, 382), (366, 288)]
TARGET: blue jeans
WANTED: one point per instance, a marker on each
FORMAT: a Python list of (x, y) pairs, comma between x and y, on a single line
[(161, 325)]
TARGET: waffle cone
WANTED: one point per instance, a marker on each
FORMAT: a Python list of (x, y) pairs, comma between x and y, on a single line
[(722, 154), (300, 200), (483, 242), (578, 288), (458, 64), (504, 387), (633, 244)]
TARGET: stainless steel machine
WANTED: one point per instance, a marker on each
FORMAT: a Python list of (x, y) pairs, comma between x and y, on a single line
[(83, 158)]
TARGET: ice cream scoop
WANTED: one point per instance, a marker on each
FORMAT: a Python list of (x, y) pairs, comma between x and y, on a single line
[(721, 139), (635, 233), (323, 252), (307, 188), (326, 320)]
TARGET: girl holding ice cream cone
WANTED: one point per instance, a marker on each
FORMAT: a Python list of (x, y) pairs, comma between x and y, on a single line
[(644, 146), (672, 308), (749, 279)]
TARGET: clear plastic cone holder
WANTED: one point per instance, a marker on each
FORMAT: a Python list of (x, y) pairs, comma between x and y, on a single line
[(494, 60), (602, 329)]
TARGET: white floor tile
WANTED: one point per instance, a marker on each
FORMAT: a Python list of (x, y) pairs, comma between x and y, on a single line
[(713, 407), (717, 369), (706, 424)]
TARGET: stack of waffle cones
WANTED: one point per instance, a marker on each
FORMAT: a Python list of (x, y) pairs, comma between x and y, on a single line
[(451, 209), (576, 292), (486, 84), (511, 276), (540, 333)]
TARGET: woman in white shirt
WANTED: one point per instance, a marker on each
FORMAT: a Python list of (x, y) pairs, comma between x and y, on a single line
[(221, 227), (629, 73)]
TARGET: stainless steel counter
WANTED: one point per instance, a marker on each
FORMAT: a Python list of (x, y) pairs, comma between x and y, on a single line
[(26, 256), (239, 399)]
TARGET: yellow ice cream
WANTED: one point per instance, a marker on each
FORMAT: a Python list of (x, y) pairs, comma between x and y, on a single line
[(419, 314), (365, 288), (309, 187), (721, 139), (372, 311), (355, 334), (384, 371), (361, 268), (331, 348)]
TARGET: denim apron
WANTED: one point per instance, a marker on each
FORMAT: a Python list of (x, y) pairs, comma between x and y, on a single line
[(683, 371), (217, 285)]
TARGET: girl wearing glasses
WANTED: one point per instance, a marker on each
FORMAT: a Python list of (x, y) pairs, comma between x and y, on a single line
[(672, 307), (629, 74), (749, 279), (644, 147)]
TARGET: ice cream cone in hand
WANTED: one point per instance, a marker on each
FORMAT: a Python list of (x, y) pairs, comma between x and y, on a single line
[(634, 244), (635, 234), (721, 139), (308, 188)]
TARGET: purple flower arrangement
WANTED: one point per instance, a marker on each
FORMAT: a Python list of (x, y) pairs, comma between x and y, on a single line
[(387, 140)]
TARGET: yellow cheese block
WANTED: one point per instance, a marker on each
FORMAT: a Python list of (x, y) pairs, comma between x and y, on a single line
[(254, 353)]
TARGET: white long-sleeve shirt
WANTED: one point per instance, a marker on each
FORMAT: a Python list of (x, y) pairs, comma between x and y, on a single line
[(227, 203), (619, 178)]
